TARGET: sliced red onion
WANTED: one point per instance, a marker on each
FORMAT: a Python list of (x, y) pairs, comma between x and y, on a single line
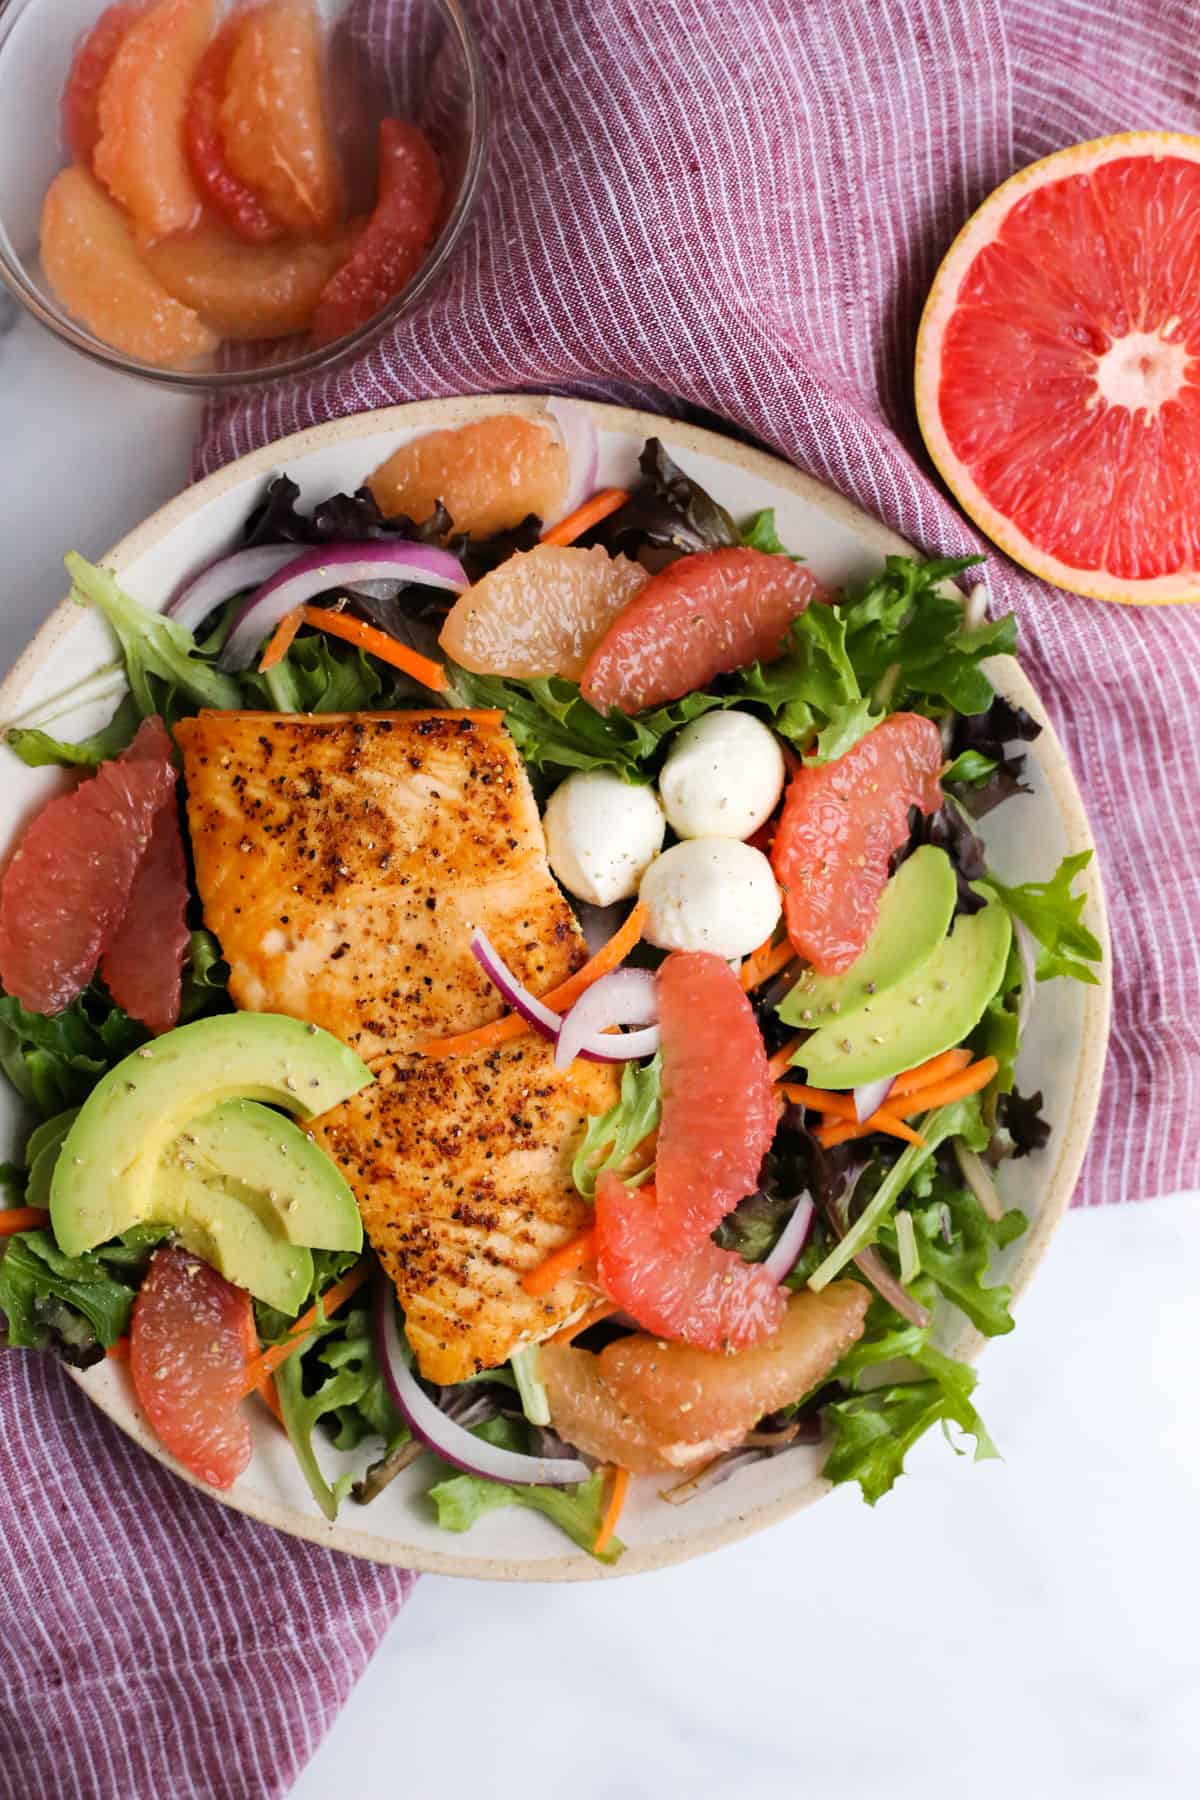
[(330, 566), (624, 997), (223, 579), (978, 1178), (577, 430), (975, 607), (1027, 950), (792, 1240), (870, 1097), (869, 1263), (451, 1442), (545, 1020)]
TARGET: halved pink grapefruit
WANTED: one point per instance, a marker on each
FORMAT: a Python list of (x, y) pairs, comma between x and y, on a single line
[(1058, 368)]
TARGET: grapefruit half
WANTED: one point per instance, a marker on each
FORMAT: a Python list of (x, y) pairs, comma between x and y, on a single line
[(1058, 368)]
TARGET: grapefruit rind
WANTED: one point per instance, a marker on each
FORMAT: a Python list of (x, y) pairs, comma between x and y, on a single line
[(980, 230)]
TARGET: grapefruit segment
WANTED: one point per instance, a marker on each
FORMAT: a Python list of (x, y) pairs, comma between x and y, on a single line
[(1058, 368), (541, 612), (718, 1110), (189, 1335), (705, 615), (490, 474), (648, 1406), (139, 155), (90, 64), (272, 118), (840, 823), (94, 269), (689, 1291), (237, 204), (398, 233), (243, 290), (142, 965), (67, 886)]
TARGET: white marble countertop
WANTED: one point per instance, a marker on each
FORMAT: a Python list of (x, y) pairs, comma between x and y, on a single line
[(1018, 1628)]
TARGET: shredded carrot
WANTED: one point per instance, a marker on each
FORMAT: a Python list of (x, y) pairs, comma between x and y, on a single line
[(269, 1395), (573, 1256), (119, 1350), (779, 1064), (354, 631), (823, 1100), (602, 1309), (22, 1218), (612, 1512), (258, 1368), (761, 964), (938, 1093), (601, 504), (948, 1063), (281, 639), (501, 1031), (887, 1122)]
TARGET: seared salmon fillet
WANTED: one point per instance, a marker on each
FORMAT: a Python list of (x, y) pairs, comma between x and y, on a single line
[(462, 1167), (343, 860)]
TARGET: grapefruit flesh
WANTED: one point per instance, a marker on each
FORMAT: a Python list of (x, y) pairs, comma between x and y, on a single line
[(67, 886), (704, 615), (188, 1339), (231, 198), (142, 965), (93, 267), (689, 1291), (273, 125), (490, 475), (840, 823), (1058, 368), (718, 1110), (541, 612), (89, 66), (398, 233), (649, 1406), (140, 155), (244, 290)]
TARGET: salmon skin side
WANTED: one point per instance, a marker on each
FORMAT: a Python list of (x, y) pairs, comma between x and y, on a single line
[(343, 861)]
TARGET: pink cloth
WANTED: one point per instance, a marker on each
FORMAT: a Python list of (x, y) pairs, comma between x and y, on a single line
[(734, 206)]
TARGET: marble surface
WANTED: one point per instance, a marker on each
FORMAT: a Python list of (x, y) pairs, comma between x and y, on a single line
[(1026, 1627)]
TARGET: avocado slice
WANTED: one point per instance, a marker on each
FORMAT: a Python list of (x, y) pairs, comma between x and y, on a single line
[(264, 1161), (106, 1175), (931, 1010), (239, 1243), (914, 916)]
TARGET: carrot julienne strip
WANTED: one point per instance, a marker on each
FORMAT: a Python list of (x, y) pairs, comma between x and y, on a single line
[(572, 1257), (377, 643), (612, 1512), (258, 1368), (22, 1218), (599, 506), (281, 639)]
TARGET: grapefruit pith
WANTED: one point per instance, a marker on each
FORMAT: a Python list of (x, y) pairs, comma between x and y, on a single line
[(1058, 368)]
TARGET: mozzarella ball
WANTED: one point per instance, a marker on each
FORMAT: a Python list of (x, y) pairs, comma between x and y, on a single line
[(710, 893), (723, 776), (602, 834)]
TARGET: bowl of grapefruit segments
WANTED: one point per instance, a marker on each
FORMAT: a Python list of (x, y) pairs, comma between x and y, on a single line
[(208, 193), (545, 1025)]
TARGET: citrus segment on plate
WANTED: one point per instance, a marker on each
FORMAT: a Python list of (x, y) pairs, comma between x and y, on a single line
[(140, 156), (90, 64), (93, 265), (189, 1341), (704, 615), (226, 193), (398, 233), (489, 474), (541, 612), (143, 960), (273, 124), (1058, 368), (244, 290)]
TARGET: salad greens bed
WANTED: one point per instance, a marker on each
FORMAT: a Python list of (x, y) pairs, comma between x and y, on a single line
[(898, 642)]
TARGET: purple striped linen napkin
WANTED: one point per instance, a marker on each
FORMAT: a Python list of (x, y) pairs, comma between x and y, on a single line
[(733, 207)]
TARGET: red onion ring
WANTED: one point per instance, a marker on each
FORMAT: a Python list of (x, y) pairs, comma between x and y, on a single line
[(544, 1019), (225, 578), (870, 1097), (577, 430), (622, 997), (792, 1239), (453, 1443)]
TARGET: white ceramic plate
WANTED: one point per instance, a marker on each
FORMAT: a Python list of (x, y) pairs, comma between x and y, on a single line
[(1063, 1056)]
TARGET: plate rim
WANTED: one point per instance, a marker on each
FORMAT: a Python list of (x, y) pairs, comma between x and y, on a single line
[(101, 1384)]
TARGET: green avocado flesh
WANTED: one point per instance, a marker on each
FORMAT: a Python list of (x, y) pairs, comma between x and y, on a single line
[(107, 1175), (914, 916), (929, 1011), (237, 1240)]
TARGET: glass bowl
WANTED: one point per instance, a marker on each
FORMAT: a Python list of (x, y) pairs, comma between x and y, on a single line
[(415, 59)]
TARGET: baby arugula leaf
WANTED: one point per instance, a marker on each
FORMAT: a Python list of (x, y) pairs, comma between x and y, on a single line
[(152, 645), (873, 1431), (906, 637), (1054, 915), (616, 1134), (462, 1499)]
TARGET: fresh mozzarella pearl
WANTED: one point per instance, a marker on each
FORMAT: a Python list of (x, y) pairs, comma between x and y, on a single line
[(723, 776), (602, 835), (710, 893)]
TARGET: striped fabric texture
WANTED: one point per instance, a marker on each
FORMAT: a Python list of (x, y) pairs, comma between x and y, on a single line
[(733, 208)]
